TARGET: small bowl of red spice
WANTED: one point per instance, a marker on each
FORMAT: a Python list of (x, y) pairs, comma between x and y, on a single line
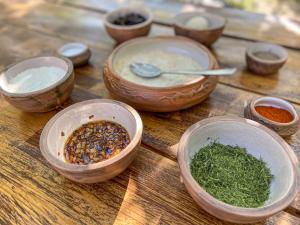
[(275, 113)]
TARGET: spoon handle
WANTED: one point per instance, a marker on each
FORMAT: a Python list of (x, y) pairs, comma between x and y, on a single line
[(219, 72)]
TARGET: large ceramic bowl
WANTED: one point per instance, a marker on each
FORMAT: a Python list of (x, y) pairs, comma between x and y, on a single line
[(150, 94), (260, 142), (44, 99), (59, 128)]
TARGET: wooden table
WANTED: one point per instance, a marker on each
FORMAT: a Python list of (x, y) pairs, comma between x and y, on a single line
[(149, 191)]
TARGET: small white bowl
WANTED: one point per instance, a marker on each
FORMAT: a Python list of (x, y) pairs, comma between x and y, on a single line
[(45, 99), (260, 142), (77, 52), (206, 36), (60, 127)]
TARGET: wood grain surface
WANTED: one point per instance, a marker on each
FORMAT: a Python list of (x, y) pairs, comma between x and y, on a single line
[(149, 192), (51, 19), (260, 27)]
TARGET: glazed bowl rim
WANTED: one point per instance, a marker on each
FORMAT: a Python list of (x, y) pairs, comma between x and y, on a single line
[(84, 49), (255, 101), (178, 22), (66, 76), (147, 22), (249, 53), (74, 168), (212, 62), (224, 207)]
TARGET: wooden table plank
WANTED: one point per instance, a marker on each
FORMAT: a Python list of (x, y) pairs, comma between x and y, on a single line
[(224, 100), (161, 130), (261, 27), (21, 139), (31, 192), (52, 19), (284, 84)]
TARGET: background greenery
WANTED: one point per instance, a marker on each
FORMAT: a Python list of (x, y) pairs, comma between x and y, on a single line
[(290, 8)]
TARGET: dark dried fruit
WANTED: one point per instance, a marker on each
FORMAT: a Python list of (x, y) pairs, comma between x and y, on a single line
[(129, 19), (96, 141)]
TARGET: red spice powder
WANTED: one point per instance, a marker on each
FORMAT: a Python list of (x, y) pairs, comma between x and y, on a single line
[(275, 114)]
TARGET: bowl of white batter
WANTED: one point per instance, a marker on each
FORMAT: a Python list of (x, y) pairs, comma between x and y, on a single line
[(38, 84), (168, 92)]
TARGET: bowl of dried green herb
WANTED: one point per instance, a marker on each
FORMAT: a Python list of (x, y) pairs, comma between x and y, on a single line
[(237, 169)]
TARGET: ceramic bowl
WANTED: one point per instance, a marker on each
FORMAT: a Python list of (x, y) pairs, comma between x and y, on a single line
[(45, 99), (263, 66), (206, 36), (77, 52), (154, 98), (283, 129), (260, 142), (123, 33), (59, 128)]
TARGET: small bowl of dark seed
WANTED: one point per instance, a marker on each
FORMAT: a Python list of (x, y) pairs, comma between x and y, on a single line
[(92, 141), (127, 23), (265, 58)]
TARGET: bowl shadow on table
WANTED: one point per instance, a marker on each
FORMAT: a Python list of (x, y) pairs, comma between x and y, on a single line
[(110, 193), (269, 82)]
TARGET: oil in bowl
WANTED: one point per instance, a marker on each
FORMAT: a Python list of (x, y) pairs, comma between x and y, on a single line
[(95, 142), (92, 141)]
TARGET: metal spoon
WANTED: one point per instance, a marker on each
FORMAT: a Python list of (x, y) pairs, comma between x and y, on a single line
[(149, 71)]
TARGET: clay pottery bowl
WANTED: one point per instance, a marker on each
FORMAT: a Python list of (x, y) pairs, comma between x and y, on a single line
[(45, 99), (144, 95), (283, 129), (60, 127), (264, 66), (77, 52), (122, 33), (206, 36), (260, 142)]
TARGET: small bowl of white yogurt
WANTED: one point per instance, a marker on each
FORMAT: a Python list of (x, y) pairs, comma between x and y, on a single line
[(205, 28), (38, 84)]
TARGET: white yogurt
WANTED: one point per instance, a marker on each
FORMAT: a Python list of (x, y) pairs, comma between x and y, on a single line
[(32, 79), (197, 22)]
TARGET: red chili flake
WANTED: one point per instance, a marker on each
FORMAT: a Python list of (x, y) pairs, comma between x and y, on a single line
[(96, 141)]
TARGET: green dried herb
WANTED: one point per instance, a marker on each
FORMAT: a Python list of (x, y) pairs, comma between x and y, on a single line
[(232, 175)]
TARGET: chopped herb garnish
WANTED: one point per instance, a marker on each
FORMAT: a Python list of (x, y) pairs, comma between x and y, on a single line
[(232, 175)]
